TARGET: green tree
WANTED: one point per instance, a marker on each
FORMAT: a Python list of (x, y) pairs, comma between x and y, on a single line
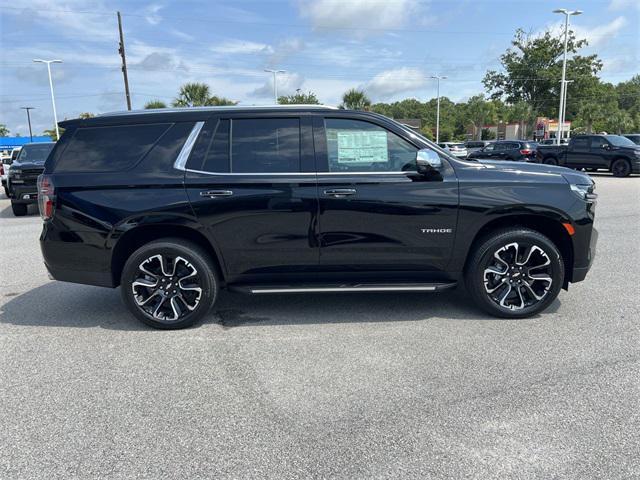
[(522, 114), (355, 99), (479, 112), (86, 115), (51, 132), (198, 95), (151, 104), (533, 67), (629, 95), (4, 131), (299, 98), (588, 115), (619, 122)]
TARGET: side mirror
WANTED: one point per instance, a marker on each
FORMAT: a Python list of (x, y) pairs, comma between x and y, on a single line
[(605, 146), (427, 160)]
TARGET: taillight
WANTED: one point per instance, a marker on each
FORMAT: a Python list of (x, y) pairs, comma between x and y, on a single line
[(46, 196), (526, 151)]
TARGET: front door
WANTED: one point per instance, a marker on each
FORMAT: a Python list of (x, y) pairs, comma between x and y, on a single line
[(251, 183), (376, 212)]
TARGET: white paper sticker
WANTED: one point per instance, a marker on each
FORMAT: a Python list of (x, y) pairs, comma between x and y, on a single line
[(359, 146)]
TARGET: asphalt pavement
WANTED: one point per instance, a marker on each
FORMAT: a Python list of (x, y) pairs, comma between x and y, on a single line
[(394, 385)]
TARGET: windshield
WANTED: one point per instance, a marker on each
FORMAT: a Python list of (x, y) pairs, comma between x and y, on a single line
[(35, 153), (619, 141)]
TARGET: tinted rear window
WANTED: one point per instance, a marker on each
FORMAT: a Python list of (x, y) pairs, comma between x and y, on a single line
[(112, 148)]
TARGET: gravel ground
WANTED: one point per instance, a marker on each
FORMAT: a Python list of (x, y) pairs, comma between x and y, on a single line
[(397, 385)]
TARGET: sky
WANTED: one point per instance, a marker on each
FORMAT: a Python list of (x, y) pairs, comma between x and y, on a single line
[(389, 48)]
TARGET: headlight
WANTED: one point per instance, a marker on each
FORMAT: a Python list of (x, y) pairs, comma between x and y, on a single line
[(584, 191), (14, 173)]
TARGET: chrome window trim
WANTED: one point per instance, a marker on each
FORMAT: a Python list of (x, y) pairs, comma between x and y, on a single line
[(185, 151), (272, 174)]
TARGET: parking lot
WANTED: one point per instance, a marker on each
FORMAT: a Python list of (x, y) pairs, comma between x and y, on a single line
[(388, 385)]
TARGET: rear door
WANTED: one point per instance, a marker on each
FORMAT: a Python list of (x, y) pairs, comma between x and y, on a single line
[(376, 213), (578, 152), (251, 182)]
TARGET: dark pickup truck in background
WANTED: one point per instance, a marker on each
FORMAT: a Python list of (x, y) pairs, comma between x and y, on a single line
[(615, 153)]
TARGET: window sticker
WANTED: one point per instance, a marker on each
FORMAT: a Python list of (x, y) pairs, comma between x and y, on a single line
[(361, 146)]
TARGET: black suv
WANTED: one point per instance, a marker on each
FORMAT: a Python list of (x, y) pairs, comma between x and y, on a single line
[(173, 205), (513, 150), (23, 174)]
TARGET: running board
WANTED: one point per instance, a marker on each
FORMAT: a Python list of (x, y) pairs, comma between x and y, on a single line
[(345, 287)]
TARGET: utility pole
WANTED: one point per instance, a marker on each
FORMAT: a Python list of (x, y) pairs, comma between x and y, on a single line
[(275, 82), (124, 63), (53, 100), (29, 120), (438, 78), (563, 85)]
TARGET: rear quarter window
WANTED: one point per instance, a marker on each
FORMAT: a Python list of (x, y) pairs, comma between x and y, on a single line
[(109, 148)]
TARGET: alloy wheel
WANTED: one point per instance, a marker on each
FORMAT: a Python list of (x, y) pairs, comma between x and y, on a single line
[(519, 276), (166, 288)]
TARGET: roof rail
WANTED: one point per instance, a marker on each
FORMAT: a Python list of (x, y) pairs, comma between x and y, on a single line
[(218, 109)]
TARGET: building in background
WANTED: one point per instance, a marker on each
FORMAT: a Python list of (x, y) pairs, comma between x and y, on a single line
[(546, 128)]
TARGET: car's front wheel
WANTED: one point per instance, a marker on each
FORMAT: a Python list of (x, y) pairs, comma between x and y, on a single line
[(169, 283), (515, 273)]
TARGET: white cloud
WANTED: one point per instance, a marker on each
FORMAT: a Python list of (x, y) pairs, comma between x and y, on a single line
[(240, 47), (358, 15), (288, 83), (151, 13), (391, 82), (594, 35), (623, 4)]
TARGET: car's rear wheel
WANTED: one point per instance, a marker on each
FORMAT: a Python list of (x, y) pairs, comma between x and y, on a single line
[(19, 209), (515, 273), (550, 161), (169, 283), (621, 168)]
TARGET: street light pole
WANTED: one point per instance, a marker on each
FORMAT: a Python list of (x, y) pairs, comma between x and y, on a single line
[(564, 102), (275, 82), (438, 78), (561, 109), (29, 120), (53, 100)]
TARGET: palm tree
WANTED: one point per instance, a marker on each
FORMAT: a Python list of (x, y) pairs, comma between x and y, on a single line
[(154, 104), (4, 131), (216, 101), (355, 99), (479, 112), (621, 121), (193, 95), (590, 113)]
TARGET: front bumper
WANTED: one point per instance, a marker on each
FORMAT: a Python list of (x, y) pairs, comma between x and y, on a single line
[(23, 193), (579, 273)]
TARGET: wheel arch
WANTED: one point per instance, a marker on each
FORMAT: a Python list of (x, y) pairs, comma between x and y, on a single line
[(548, 226), (135, 237)]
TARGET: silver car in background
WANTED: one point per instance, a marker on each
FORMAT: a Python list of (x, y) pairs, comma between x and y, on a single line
[(457, 149)]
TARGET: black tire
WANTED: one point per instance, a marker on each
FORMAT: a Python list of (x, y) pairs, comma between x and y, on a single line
[(621, 167), (550, 161), (518, 300), (19, 209), (167, 295)]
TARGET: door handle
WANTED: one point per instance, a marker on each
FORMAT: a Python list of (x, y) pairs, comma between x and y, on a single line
[(340, 192), (216, 193)]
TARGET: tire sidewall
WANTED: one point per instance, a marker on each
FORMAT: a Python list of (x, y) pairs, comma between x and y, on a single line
[(192, 254), (475, 274), (625, 172)]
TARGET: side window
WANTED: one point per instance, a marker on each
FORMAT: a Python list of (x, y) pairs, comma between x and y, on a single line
[(597, 142), (265, 145), (499, 147), (580, 144), (357, 146), (489, 148), (113, 148), (211, 151)]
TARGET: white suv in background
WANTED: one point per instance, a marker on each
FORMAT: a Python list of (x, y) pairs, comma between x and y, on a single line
[(457, 149)]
